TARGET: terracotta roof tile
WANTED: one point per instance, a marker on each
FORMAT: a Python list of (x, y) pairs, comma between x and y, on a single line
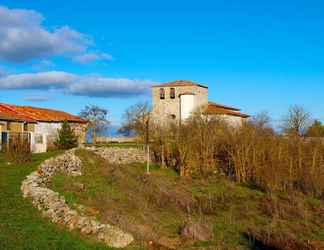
[(33, 114), (9, 114), (219, 109), (218, 105), (179, 83)]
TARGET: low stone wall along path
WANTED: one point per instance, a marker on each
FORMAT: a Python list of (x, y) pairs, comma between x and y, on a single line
[(53, 206)]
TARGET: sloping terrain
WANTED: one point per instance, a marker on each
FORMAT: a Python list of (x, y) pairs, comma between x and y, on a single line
[(158, 208), (21, 226)]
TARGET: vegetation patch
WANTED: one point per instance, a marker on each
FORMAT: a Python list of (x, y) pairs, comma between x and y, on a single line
[(156, 207), (21, 226)]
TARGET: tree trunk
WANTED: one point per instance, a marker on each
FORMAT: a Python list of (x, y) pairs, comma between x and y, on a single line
[(94, 137), (162, 156)]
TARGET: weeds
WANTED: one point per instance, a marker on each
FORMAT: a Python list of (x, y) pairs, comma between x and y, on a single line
[(18, 150), (250, 154)]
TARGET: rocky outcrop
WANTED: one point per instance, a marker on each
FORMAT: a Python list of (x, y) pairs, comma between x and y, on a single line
[(117, 155), (54, 206)]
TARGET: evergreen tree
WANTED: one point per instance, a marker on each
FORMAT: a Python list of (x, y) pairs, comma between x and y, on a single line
[(66, 138)]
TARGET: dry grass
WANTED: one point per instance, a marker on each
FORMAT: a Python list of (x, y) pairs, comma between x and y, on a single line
[(154, 207), (18, 150), (248, 154)]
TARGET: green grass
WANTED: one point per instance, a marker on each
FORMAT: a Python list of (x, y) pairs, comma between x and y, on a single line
[(125, 192), (21, 226)]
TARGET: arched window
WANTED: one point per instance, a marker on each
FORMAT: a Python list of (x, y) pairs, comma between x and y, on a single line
[(172, 93), (162, 93)]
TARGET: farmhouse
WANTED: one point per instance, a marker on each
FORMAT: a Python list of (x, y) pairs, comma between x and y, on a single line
[(177, 100), (38, 126)]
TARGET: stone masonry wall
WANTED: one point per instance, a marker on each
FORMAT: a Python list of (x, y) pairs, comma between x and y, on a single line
[(54, 207), (120, 155), (163, 109), (80, 131)]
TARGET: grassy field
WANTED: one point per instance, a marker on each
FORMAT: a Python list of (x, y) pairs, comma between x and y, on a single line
[(155, 207), (21, 226)]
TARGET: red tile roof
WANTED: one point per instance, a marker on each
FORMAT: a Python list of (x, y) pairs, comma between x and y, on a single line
[(218, 105), (9, 114), (179, 83), (33, 114), (219, 109)]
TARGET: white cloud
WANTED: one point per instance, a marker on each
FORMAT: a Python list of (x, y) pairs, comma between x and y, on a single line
[(36, 98), (23, 38), (109, 87), (89, 57), (41, 80), (73, 84)]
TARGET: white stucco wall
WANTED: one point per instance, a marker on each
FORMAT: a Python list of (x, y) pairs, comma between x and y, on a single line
[(187, 106), (46, 130)]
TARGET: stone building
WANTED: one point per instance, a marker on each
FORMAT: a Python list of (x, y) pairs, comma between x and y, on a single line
[(177, 100), (38, 126)]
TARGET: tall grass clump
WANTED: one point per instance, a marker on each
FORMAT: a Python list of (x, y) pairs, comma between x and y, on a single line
[(18, 150)]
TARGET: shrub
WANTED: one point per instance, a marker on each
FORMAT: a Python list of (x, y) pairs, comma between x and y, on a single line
[(66, 138), (18, 150), (248, 154)]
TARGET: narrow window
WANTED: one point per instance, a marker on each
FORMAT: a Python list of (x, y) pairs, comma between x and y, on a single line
[(172, 93), (25, 126), (162, 94)]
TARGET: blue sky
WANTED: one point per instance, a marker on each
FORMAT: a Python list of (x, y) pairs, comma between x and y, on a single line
[(257, 55)]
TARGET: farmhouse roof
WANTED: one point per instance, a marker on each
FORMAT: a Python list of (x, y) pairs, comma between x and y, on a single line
[(218, 105), (220, 109), (179, 83), (9, 114), (32, 114)]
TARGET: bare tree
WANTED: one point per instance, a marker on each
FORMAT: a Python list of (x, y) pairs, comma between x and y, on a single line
[(136, 121), (261, 120), (296, 121), (97, 118)]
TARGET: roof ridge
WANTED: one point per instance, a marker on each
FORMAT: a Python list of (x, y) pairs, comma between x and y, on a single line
[(8, 106), (176, 83), (46, 109), (223, 106), (16, 112), (41, 114)]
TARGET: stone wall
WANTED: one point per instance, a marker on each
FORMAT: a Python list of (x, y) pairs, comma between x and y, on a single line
[(54, 207), (117, 155), (117, 139), (80, 130), (162, 110)]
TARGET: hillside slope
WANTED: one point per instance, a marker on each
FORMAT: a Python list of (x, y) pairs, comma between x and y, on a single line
[(162, 210)]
